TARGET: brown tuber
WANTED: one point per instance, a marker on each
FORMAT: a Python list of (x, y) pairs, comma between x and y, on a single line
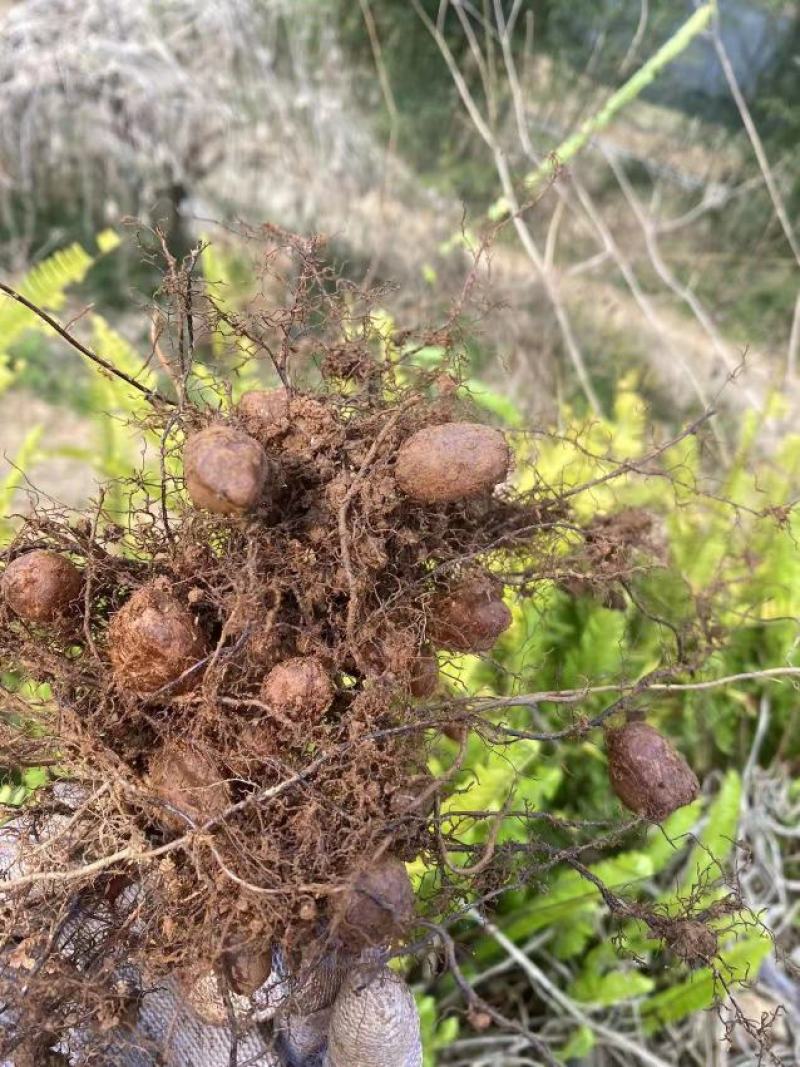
[(454, 461), (265, 412), (189, 782), (378, 906), (647, 773), (225, 470), (300, 685), (246, 969), (153, 640), (41, 586), (470, 617), (303, 423)]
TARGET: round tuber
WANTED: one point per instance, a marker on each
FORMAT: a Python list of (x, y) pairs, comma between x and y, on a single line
[(300, 685), (265, 412), (41, 586), (378, 906), (454, 461), (246, 969), (153, 640), (189, 782), (302, 422), (648, 775), (225, 470), (470, 617)]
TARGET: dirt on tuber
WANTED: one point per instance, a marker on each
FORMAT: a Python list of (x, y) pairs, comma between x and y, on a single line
[(299, 686), (187, 784), (469, 617), (153, 641), (378, 906)]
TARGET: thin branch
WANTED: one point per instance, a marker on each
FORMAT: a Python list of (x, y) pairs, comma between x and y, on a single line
[(151, 394), (755, 141), (541, 982)]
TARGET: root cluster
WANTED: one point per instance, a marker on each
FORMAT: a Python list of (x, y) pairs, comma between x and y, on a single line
[(240, 675)]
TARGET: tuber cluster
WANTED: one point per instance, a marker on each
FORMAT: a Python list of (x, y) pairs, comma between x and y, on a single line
[(237, 669)]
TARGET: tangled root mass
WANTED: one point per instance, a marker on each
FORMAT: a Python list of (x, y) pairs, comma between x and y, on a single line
[(238, 692)]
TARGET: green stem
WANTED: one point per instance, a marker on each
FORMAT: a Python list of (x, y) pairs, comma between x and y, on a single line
[(626, 93)]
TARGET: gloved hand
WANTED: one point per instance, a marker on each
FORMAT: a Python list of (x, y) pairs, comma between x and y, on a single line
[(345, 1012)]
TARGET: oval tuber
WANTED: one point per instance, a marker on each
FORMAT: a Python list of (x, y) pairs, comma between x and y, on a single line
[(247, 969), (378, 906), (453, 461), (647, 773), (470, 617), (299, 685), (41, 586), (424, 674), (189, 782), (225, 470), (153, 640)]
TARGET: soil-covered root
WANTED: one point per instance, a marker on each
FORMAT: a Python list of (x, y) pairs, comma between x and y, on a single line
[(187, 783), (469, 617), (41, 586), (378, 906), (225, 470), (300, 686), (153, 640), (453, 461), (647, 773)]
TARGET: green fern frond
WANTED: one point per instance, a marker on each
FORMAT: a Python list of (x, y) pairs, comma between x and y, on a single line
[(45, 285), (24, 458)]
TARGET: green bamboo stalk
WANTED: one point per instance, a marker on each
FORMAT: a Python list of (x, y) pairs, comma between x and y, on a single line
[(626, 93)]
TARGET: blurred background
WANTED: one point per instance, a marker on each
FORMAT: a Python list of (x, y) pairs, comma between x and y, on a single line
[(637, 165)]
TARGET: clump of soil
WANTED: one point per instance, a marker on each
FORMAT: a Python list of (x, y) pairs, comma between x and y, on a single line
[(225, 470), (41, 586), (647, 773), (154, 641), (453, 461)]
